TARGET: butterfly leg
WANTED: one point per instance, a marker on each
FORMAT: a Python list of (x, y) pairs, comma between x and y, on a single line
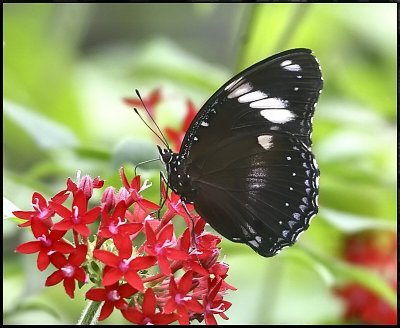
[(163, 198), (192, 221)]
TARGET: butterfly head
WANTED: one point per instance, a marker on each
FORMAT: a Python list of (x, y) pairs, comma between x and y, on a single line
[(165, 155)]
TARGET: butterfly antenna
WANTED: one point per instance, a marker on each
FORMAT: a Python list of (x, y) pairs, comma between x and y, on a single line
[(151, 117), (163, 141)]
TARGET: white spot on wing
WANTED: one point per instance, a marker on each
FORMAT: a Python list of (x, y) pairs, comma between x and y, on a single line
[(252, 96), (286, 62), (277, 115), (269, 103), (204, 123), (244, 88), (230, 85), (253, 243), (293, 68), (265, 141)]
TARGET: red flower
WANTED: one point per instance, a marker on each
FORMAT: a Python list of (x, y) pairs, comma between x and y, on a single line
[(148, 313), (46, 244), (176, 136), (133, 190), (112, 296), (124, 264), (86, 184), (150, 101), (163, 247), (175, 207), (116, 224), (108, 198), (376, 250), (180, 300), (213, 302), (78, 218), (68, 270), (42, 211)]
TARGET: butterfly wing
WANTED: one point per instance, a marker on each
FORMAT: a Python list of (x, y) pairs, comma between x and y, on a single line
[(248, 153)]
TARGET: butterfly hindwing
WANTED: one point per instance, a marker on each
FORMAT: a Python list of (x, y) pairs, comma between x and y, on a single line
[(263, 196)]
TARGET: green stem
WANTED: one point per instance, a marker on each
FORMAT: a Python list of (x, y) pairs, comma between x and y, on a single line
[(90, 314)]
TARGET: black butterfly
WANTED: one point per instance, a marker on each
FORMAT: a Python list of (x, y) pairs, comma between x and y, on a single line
[(246, 162)]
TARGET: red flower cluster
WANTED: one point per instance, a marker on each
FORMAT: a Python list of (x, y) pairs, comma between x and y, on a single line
[(376, 250), (138, 263)]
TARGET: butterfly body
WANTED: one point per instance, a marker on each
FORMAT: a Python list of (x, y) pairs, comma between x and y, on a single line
[(246, 162)]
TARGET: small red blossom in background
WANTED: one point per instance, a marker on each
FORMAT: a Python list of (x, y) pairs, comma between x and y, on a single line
[(137, 263), (377, 251), (174, 135), (150, 101)]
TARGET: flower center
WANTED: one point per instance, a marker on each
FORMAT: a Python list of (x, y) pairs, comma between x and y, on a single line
[(147, 321), (179, 299), (113, 295), (114, 228), (41, 213), (47, 242), (75, 215), (68, 271), (124, 264)]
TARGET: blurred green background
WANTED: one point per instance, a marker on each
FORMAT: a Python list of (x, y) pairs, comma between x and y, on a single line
[(68, 66)]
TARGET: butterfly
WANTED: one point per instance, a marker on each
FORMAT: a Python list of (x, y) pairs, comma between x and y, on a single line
[(246, 162)]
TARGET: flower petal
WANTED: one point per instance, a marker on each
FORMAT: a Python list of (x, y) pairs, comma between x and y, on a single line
[(69, 286), (106, 310), (78, 256), (107, 257), (185, 284), (124, 245), (92, 215), (126, 290), (58, 260), (97, 294), (149, 303), (111, 276), (43, 260), (61, 210), (29, 247), (82, 229), (54, 278), (134, 280), (63, 225), (143, 262), (133, 315)]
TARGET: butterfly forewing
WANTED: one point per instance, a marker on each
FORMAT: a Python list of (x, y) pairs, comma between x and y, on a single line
[(247, 154)]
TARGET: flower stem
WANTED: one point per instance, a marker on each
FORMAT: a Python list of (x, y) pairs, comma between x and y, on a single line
[(90, 314)]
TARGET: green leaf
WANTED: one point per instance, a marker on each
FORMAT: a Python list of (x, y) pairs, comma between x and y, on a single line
[(47, 134)]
